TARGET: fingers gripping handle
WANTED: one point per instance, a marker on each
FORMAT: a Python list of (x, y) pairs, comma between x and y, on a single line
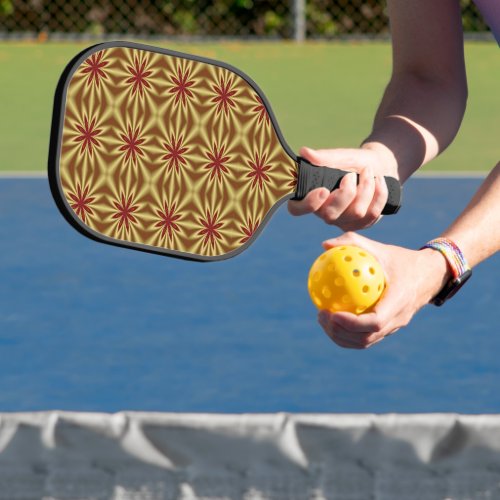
[(312, 177), (395, 192)]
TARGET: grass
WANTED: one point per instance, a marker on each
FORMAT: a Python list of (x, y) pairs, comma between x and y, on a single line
[(323, 94)]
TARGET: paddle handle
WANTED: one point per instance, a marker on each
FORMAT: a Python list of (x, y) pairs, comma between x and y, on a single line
[(312, 177)]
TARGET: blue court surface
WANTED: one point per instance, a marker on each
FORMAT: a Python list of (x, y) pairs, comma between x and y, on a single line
[(91, 327)]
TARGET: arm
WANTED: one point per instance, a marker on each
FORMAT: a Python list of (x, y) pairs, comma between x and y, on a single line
[(477, 230), (415, 277), (424, 103), (419, 114)]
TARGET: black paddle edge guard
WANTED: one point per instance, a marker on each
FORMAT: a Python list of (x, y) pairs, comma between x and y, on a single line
[(312, 177)]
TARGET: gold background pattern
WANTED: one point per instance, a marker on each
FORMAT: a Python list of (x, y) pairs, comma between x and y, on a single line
[(169, 152)]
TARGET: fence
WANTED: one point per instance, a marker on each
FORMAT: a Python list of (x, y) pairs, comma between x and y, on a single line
[(206, 18)]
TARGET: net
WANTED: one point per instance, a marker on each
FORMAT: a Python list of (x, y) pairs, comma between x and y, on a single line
[(159, 456)]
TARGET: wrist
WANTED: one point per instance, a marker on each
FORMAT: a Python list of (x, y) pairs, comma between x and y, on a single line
[(437, 272), (386, 156)]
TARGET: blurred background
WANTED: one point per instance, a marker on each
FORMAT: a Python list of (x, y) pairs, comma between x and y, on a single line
[(324, 90), (284, 19)]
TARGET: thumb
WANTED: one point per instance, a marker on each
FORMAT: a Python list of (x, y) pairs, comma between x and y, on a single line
[(349, 158), (349, 238)]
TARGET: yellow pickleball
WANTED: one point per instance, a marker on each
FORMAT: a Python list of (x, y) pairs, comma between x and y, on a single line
[(346, 278)]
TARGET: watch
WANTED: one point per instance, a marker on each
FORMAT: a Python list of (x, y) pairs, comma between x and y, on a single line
[(459, 267)]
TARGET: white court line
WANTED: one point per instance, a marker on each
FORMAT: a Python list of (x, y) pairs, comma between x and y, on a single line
[(23, 175), (454, 174)]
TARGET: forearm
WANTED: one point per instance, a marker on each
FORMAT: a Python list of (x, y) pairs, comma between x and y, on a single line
[(416, 120), (424, 103), (477, 230)]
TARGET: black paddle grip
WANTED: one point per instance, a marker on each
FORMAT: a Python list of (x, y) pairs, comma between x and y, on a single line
[(312, 177)]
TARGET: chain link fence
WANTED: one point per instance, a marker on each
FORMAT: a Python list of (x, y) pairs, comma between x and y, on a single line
[(285, 19)]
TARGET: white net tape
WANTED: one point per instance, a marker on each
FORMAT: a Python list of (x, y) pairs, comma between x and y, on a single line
[(160, 456)]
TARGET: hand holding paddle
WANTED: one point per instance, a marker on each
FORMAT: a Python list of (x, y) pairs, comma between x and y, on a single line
[(172, 153), (360, 199)]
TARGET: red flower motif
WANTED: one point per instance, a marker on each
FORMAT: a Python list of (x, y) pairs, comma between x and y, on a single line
[(124, 212), (295, 177), (261, 110), (139, 76), (132, 144), (210, 229), (94, 68), (224, 97), (167, 220), (81, 202), (182, 83), (88, 135), (217, 160), (175, 151), (249, 229), (259, 168)]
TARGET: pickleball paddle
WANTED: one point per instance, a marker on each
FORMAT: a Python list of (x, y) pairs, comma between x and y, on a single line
[(172, 153)]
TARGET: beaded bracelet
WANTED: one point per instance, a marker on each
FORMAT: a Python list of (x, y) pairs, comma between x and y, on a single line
[(460, 269), (452, 254)]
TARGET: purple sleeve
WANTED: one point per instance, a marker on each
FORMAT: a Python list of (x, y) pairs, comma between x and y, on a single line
[(490, 9)]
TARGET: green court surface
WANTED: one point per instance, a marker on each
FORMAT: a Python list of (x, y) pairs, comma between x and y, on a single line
[(323, 94)]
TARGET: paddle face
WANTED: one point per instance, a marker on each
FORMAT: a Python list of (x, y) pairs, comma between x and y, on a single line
[(166, 152)]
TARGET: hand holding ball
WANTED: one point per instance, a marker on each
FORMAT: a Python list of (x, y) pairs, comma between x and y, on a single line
[(346, 278)]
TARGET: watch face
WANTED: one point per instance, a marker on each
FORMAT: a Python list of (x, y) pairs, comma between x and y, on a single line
[(451, 288)]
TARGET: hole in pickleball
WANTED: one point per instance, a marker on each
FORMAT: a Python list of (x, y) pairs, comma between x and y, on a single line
[(362, 254), (339, 281), (346, 299), (359, 310), (366, 289), (326, 292), (317, 301), (336, 306), (348, 258), (379, 288), (317, 276), (356, 273), (372, 270), (330, 268)]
